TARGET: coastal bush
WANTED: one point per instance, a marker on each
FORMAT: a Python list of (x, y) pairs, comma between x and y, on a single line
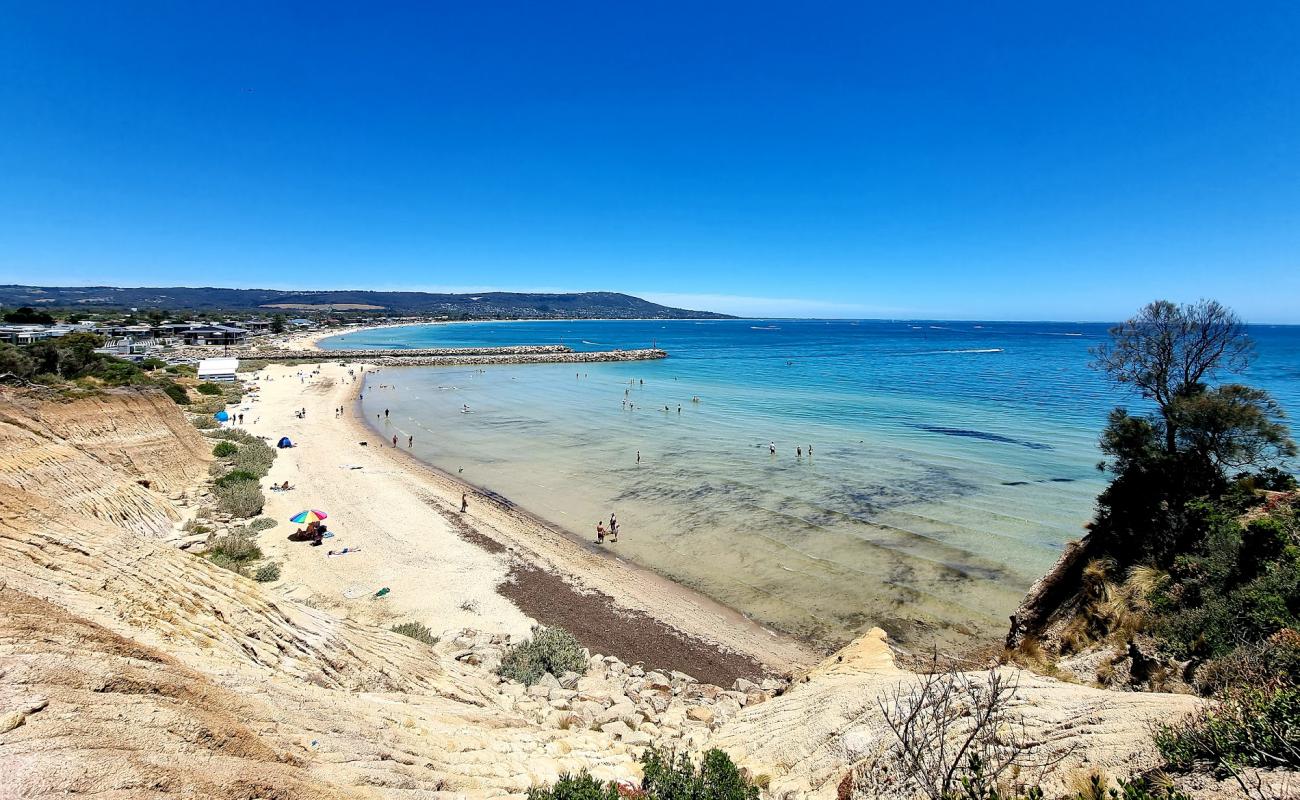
[(152, 364), (208, 388), (261, 524), (206, 404), (552, 650), (177, 393), (234, 476), (416, 630), (241, 498), (224, 449), (237, 545), (203, 422), (183, 369), (576, 787), (228, 563), (254, 456), (235, 435), (666, 776), (675, 777), (255, 459), (267, 573), (1249, 728)]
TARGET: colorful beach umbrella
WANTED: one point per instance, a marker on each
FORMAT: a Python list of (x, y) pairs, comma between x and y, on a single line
[(308, 516)]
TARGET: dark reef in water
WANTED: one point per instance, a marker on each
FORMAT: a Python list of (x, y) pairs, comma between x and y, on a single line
[(985, 435)]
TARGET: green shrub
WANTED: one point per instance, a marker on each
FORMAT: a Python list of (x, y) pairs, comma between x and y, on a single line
[(209, 388), (207, 404), (152, 364), (1250, 728), (177, 393), (666, 777), (261, 524), (183, 369), (669, 777), (576, 787), (203, 422), (235, 435), (254, 456), (416, 630), (226, 562), (224, 449), (237, 545), (234, 476), (267, 573), (552, 650), (241, 498)]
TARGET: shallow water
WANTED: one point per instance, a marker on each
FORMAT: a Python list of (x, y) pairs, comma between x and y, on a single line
[(950, 461)]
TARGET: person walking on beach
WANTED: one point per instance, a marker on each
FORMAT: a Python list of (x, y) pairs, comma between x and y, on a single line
[(394, 440), (410, 440), (464, 502)]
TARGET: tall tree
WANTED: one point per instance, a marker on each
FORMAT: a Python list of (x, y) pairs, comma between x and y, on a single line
[(1164, 462), (1169, 351)]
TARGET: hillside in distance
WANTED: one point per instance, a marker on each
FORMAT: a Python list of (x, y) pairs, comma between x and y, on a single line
[(520, 305)]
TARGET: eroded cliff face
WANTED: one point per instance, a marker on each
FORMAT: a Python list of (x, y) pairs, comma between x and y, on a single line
[(118, 457)]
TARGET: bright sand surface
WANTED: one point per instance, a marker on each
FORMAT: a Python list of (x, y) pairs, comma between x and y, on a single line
[(404, 517)]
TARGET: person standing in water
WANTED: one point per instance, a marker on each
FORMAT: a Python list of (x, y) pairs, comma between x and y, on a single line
[(810, 451), (600, 531), (638, 458), (798, 452), (385, 413), (613, 527), (410, 440), (771, 448)]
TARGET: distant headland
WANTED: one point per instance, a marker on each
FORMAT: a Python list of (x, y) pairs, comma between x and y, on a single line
[(484, 305)]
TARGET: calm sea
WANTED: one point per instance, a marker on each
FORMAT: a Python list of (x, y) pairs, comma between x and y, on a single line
[(943, 464)]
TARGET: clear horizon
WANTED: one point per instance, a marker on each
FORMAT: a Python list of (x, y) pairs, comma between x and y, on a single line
[(847, 162)]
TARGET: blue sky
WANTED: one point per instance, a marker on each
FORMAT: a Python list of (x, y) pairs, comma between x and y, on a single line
[(970, 160)]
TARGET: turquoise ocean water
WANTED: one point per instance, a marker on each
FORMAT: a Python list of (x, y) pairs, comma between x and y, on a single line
[(950, 460)]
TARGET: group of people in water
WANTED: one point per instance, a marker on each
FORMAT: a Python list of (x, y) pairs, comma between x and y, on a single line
[(611, 531)]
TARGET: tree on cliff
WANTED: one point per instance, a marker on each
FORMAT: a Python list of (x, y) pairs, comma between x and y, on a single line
[(1165, 461)]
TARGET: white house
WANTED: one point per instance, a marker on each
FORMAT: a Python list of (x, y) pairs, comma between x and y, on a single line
[(218, 369)]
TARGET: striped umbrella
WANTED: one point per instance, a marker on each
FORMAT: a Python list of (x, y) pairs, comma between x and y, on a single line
[(308, 516)]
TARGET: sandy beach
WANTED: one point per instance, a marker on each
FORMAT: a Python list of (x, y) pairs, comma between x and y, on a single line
[(495, 568)]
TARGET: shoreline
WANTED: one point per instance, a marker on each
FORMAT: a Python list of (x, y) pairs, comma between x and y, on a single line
[(523, 567)]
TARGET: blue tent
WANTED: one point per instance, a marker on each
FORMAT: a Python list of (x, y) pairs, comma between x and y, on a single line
[(284, 442), (221, 416)]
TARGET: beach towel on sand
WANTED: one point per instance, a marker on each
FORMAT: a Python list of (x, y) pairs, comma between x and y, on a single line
[(347, 551)]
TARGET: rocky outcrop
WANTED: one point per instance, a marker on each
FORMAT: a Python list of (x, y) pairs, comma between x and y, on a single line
[(1052, 593), (829, 724)]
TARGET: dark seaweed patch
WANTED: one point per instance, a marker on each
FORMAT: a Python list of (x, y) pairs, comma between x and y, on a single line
[(983, 435)]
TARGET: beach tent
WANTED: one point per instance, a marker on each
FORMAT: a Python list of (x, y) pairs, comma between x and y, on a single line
[(284, 442), (221, 416)]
